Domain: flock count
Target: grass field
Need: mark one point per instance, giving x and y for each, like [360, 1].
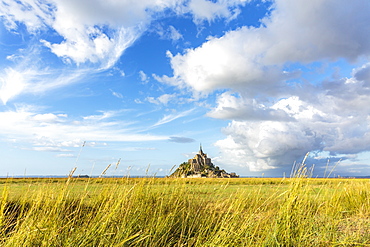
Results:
[185, 212]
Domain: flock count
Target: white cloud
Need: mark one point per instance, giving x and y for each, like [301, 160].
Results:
[170, 33]
[48, 117]
[295, 32]
[34, 14]
[163, 99]
[104, 115]
[55, 132]
[99, 31]
[138, 101]
[117, 94]
[173, 33]
[205, 10]
[12, 83]
[267, 144]
[66, 155]
[231, 61]
[90, 34]
[336, 121]
[101, 49]
[172, 117]
[236, 107]
[31, 74]
[82, 25]
[29, 79]
[143, 77]
[49, 149]
[275, 121]
[272, 123]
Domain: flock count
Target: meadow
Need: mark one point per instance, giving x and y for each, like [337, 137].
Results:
[299, 211]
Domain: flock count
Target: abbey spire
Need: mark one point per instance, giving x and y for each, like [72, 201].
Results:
[200, 149]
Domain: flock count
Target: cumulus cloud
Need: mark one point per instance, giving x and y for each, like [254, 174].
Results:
[276, 115]
[336, 122]
[256, 58]
[322, 29]
[266, 145]
[363, 74]
[235, 107]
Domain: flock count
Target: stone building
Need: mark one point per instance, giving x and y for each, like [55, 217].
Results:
[201, 167]
[200, 161]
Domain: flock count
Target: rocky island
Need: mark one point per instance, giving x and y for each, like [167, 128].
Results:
[201, 166]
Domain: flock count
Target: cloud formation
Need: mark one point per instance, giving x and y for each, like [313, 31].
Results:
[94, 31]
[171, 117]
[277, 115]
[261, 75]
[255, 58]
[57, 132]
[99, 31]
[204, 10]
[88, 36]
[163, 99]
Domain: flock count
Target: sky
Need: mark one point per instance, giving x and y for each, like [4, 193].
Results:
[141, 84]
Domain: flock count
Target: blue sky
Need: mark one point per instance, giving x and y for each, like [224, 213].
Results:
[258, 83]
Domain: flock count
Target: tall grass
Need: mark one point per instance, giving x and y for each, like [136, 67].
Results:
[299, 211]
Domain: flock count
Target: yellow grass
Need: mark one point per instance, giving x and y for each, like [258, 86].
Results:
[297, 211]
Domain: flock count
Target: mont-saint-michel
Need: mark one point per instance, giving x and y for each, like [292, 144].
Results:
[201, 166]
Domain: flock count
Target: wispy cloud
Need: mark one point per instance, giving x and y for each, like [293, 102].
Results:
[170, 33]
[143, 77]
[163, 99]
[53, 132]
[172, 117]
[66, 155]
[89, 40]
[50, 149]
[116, 94]
[33, 80]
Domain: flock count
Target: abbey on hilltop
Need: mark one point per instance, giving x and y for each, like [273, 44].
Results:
[201, 166]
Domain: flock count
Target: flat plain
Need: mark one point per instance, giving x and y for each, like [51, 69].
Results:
[299, 211]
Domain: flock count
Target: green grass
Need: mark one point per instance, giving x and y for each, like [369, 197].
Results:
[185, 212]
